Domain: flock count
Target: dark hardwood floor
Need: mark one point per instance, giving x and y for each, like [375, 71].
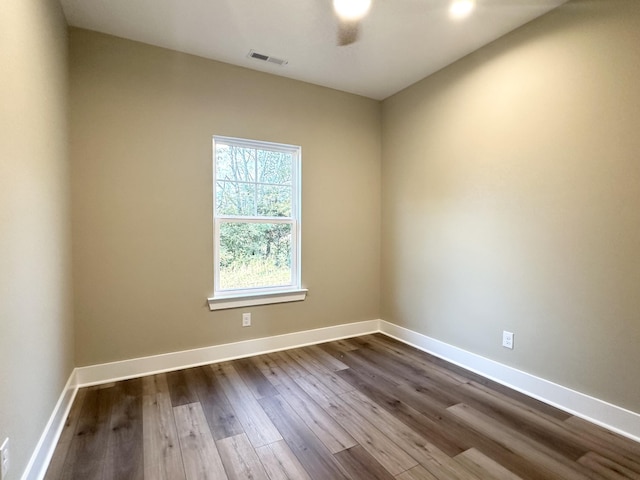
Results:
[364, 408]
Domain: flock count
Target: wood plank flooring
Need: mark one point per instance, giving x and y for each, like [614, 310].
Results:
[367, 408]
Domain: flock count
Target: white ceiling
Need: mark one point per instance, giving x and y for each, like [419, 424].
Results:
[401, 41]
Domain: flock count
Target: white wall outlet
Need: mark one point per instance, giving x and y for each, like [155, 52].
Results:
[246, 319]
[4, 459]
[507, 339]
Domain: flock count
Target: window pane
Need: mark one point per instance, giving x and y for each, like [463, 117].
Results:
[254, 255]
[235, 163]
[274, 201]
[274, 167]
[235, 198]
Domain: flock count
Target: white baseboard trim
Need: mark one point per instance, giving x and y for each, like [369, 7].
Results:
[39, 461]
[137, 367]
[607, 415]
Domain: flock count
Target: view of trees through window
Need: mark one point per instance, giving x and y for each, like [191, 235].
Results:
[254, 207]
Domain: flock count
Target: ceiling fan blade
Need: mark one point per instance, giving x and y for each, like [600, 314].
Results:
[348, 32]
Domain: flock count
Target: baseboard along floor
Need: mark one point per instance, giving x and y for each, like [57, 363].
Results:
[367, 407]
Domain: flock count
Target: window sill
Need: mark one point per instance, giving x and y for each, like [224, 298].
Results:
[237, 301]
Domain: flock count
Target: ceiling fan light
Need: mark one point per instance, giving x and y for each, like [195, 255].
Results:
[351, 9]
[461, 8]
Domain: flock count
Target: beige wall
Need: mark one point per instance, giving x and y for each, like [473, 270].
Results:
[36, 342]
[511, 192]
[142, 119]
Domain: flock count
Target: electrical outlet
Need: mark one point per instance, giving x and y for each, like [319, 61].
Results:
[507, 339]
[4, 459]
[246, 319]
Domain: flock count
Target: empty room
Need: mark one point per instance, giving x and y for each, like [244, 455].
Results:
[319, 239]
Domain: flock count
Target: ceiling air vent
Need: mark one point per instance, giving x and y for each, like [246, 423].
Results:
[267, 58]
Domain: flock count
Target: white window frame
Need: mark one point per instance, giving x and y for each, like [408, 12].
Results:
[234, 298]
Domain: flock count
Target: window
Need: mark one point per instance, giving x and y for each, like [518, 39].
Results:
[256, 188]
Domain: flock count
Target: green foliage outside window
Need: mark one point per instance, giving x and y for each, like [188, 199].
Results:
[254, 183]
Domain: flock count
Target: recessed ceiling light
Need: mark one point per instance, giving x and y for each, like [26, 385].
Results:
[351, 9]
[461, 8]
